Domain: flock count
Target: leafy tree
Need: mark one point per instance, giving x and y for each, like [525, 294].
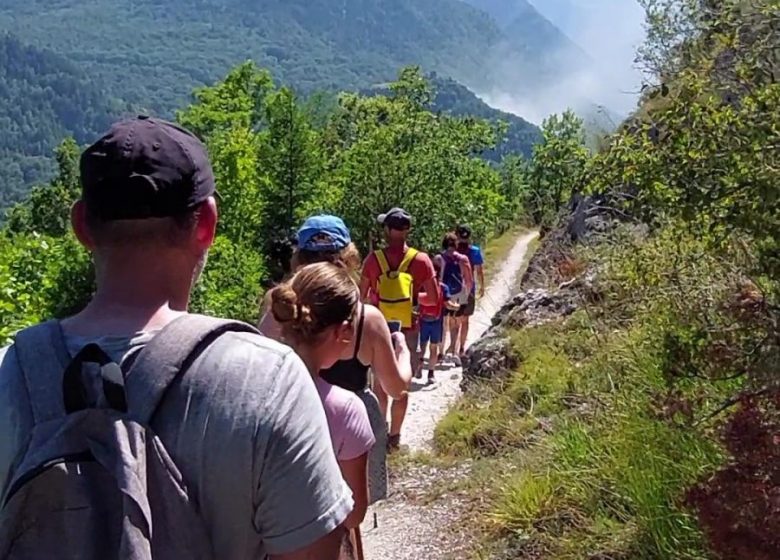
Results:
[392, 150]
[237, 101]
[228, 117]
[292, 162]
[273, 167]
[41, 277]
[231, 283]
[514, 186]
[705, 147]
[558, 167]
[47, 210]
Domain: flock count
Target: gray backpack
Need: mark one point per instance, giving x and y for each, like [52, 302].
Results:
[95, 482]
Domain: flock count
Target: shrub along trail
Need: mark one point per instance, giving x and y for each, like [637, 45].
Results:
[411, 528]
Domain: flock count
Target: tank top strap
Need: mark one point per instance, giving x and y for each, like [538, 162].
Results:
[359, 338]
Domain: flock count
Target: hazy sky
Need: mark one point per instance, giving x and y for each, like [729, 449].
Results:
[609, 30]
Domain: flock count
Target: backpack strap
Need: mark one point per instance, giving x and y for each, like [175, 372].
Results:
[43, 356]
[381, 258]
[408, 258]
[168, 356]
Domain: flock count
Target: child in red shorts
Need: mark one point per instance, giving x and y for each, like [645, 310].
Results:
[432, 325]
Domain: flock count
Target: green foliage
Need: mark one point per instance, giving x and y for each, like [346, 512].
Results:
[558, 166]
[391, 150]
[41, 277]
[293, 159]
[231, 283]
[43, 98]
[274, 167]
[705, 147]
[47, 208]
[678, 322]
[619, 403]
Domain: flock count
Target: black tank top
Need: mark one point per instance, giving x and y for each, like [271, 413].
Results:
[350, 374]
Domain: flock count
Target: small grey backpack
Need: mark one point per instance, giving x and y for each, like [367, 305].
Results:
[95, 482]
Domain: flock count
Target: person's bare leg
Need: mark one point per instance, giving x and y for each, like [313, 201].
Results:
[434, 358]
[423, 350]
[398, 408]
[433, 361]
[382, 397]
[397, 416]
[454, 335]
[464, 333]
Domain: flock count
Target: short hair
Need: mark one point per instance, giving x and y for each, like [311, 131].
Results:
[450, 241]
[347, 258]
[165, 232]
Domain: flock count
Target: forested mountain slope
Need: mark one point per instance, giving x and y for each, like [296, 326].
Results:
[150, 54]
[154, 51]
[43, 98]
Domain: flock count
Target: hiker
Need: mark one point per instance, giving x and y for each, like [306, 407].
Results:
[327, 239]
[432, 323]
[474, 254]
[319, 310]
[225, 449]
[456, 274]
[397, 274]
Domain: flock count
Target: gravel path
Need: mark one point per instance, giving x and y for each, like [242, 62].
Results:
[408, 530]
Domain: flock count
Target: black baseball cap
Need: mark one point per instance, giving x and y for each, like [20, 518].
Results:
[395, 218]
[463, 232]
[145, 168]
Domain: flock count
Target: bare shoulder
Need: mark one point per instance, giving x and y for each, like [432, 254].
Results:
[375, 323]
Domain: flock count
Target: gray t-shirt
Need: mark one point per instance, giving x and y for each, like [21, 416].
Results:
[247, 429]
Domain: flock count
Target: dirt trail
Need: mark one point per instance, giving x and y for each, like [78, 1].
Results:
[407, 530]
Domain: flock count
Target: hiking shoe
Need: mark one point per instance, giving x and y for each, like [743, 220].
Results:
[431, 378]
[456, 361]
[393, 443]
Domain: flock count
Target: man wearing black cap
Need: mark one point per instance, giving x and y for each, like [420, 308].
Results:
[398, 256]
[243, 423]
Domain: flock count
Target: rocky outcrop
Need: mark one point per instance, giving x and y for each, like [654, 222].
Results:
[553, 287]
[492, 357]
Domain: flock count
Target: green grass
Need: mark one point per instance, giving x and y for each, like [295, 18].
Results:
[585, 461]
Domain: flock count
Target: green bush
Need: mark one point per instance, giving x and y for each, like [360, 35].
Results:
[41, 278]
[231, 285]
[617, 404]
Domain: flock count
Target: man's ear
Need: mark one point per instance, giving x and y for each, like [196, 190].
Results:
[78, 220]
[206, 228]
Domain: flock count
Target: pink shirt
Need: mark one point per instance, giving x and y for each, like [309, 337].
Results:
[350, 428]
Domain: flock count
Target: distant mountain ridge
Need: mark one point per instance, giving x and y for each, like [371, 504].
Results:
[150, 54]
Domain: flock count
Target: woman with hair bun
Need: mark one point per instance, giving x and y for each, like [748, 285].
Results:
[316, 310]
[327, 239]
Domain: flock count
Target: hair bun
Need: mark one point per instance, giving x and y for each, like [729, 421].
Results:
[304, 317]
[284, 304]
